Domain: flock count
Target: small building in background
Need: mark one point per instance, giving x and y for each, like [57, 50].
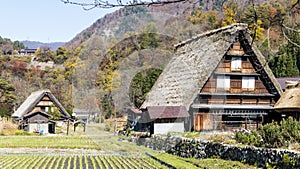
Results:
[27, 52]
[87, 116]
[36, 113]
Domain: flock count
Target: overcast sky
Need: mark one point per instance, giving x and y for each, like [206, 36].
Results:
[45, 20]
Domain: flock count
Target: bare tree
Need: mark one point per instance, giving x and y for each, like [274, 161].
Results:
[120, 3]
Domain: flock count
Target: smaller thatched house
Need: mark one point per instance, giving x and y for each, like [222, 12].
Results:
[289, 102]
[40, 112]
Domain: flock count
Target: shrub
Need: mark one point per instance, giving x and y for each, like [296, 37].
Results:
[19, 132]
[290, 129]
[218, 138]
[107, 127]
[272, 135]
[230, 141]
[249, 137]
[192, 134]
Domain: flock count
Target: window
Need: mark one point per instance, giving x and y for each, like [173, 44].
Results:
[223, 82]
[46, 109]
[248, 83]
[236, 64]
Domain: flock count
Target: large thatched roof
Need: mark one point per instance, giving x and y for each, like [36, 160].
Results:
[32, 100]
[290, 99]
[194, 62]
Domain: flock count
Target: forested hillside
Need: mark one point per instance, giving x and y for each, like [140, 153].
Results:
[113, 64]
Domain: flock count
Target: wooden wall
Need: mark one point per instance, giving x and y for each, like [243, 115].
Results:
[205, 121]
[236, 94]
[235, 86]
[235, 100]
[225, 66]
[45, 101]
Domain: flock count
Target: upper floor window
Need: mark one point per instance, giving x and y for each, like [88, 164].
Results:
[248, 83]
[223, 82]
[236, 64]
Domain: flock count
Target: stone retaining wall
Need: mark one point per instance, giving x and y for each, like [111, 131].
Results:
[187, 148]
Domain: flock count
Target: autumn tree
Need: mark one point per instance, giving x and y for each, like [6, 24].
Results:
[61, 55]
[149, 36]
[229, 15]
[207, 19]
[44, 54]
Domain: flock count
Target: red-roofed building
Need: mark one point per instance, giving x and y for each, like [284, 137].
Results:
[164, 119]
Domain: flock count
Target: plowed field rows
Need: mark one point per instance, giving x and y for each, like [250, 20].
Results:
[76, 162]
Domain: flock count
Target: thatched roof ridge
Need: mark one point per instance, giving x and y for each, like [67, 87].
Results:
[194, 62]
[34, 99]
[265, 66]
[211, 32]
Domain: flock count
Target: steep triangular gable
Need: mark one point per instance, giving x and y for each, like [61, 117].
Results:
[240, 63]
[194, 62]
[35, 98]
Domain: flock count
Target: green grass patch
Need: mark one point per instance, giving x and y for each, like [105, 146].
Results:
[175, 161]
[65, 142]
[218, 163]
[192, 163]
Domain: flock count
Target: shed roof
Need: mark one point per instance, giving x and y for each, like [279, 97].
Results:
[283, 81]
[33, 100]
[167, 112]
[134, 110]
[194, 62]
[35, 113]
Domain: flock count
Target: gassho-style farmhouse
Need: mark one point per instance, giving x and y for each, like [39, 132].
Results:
[218, 80]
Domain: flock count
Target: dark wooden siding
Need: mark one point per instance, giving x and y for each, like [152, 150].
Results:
[38, 118]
